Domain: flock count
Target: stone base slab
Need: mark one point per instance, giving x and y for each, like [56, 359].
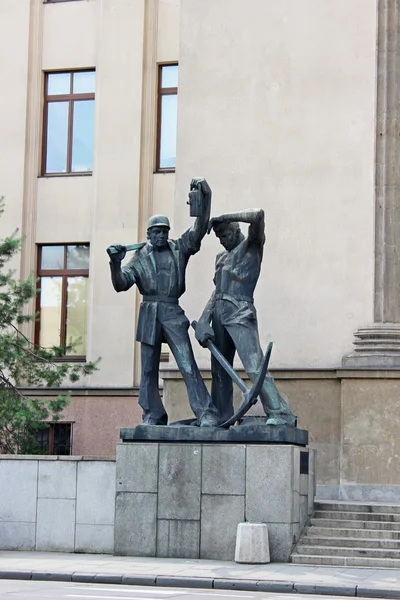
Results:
[251, 433]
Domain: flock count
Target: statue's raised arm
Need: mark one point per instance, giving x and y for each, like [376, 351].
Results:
[200, 207]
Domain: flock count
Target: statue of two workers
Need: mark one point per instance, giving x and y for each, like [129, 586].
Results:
[229, 319]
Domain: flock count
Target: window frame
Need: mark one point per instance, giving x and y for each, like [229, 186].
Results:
[64, 273]
[70, 98]
[172, 91]
[51, 426]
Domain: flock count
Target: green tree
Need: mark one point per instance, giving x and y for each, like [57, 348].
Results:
[23, 363]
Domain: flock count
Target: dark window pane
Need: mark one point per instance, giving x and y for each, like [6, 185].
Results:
[50, 311]
[169, 76]
[78, 257]
[82, 136]
[42, 437]
[57, 137]
[62, 438]
[76, 313]
[169, 105]
[52, 257]
[58, 83]
[84, 82]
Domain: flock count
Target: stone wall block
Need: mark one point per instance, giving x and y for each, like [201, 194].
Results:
[95, 539]
[220, 516]
[303, 484]
[95, 493]
[179, 482]
[18, 485]
[57, 479]
[280, 541]
[135, 524]
[223, 470]
[303, 511]
[295, 507]
[178, 539]
[55, 528]
[137, 468]
[269, 479]
[296, 468]
[17, 536]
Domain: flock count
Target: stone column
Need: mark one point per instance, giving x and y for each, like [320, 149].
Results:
[378, 345]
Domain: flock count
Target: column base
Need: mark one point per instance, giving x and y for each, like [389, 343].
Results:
[376, 347]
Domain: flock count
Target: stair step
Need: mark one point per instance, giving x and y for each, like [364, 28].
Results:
[345, 561]
[354, 524]
[352, 532]
[350, 542]
[302, 548]
[357, 516]
[343, 506]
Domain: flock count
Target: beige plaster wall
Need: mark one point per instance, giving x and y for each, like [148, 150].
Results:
[163, 195]
[14, 36]
[168, 30]
[97, 421]
[276, 109]
[64, 209]
[116, 177]
[69, 34]
[371, 441]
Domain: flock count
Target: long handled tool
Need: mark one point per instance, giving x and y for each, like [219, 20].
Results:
[111, 250]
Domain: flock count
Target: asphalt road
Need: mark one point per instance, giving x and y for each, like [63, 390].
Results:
[43, 590]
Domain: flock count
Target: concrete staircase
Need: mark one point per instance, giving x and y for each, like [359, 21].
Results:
[353, 534]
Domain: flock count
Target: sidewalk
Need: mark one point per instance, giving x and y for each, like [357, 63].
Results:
[274, 577]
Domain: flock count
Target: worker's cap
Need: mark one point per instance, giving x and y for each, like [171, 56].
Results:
[158, 221]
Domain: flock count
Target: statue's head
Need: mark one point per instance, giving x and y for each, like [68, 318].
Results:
[229, 234]
[157, 231]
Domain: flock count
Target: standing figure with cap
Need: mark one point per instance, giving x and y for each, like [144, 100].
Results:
[158, 269]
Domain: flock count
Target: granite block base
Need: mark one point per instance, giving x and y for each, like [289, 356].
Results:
[199, 492]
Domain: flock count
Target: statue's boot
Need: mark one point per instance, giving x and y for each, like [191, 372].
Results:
[209, 419]
[287, 419]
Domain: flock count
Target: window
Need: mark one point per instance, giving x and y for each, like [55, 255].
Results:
[167, 117]
[55, 438]
[68, 123]
[63, 272]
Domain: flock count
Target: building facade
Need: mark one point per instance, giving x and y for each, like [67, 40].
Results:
[289, 106]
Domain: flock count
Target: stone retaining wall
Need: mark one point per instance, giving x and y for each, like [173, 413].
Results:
[63, 504]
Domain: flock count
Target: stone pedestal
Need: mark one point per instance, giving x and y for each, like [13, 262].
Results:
[185, 500]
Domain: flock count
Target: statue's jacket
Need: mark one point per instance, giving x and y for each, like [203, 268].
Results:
[142, 270]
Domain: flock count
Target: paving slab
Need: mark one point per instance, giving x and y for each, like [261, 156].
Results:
[196, 573]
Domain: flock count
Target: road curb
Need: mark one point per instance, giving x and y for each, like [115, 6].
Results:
[255, 585]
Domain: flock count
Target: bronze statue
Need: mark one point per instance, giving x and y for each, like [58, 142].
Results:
[233, 316]
[158, 269]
